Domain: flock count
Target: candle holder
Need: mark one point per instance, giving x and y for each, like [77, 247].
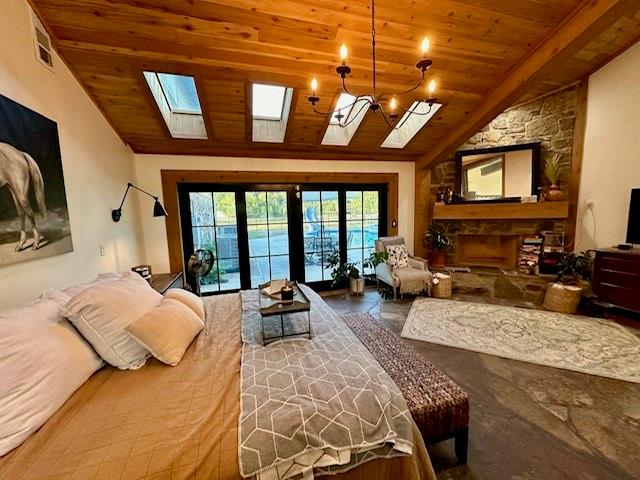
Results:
[286, 293]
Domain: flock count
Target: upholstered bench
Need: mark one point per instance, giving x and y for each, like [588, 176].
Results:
[438, 405]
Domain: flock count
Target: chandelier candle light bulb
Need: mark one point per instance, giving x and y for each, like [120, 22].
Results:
[432, 88]
[314, 86]
[424, 46]
[343, 53]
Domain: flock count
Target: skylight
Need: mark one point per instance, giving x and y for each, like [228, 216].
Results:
[268, 101]
[270, 106]
[341, 130]
[181, 93]
[410, 124]
[177, 99]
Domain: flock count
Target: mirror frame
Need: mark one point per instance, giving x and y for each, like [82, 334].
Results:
[535, 168]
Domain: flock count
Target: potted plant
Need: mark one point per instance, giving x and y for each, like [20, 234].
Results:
[341, 272]
[573, 281]
[438, 243]
[554, 171]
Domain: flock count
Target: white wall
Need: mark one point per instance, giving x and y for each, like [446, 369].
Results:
[97, 166]
[148, 169]
[611, 162]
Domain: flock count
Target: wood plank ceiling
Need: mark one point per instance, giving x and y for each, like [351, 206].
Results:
[226, 44]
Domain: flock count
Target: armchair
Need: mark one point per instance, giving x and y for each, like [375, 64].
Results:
[385, 274]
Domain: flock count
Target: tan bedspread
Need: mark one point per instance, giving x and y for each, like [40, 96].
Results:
[164, 422]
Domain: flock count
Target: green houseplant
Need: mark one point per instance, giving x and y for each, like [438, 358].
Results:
[554, 171]
[343, 272]
[438, 243]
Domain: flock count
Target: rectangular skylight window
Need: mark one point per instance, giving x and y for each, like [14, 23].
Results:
[177, 99]
[410, 124]
[270, 106]
[341, 130]
[181, 93]
[268, 101]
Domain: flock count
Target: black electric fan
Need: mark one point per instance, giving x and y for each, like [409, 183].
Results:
[199, 266]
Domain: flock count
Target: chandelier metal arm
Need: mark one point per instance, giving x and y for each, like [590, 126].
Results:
[405, 92]
[353, 117]
[373, 100]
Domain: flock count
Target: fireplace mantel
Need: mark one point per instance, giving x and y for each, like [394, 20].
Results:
[501, 211]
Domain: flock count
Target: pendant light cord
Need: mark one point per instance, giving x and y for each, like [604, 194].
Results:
[373, 45]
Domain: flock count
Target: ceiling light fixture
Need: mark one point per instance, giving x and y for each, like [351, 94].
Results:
[374, 100]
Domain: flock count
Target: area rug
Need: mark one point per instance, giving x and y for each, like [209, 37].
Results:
[583, 344]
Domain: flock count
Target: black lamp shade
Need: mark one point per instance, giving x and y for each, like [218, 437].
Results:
[158, 210]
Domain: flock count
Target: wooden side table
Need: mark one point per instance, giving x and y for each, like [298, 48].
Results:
[161, 282]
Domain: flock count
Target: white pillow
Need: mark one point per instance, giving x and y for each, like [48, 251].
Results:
[102, 311]
[167, 330]
[397, 256]
[43, 360]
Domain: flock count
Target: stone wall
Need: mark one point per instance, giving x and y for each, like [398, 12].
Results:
[549, 120]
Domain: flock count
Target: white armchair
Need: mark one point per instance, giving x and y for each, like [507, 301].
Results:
[385, 274]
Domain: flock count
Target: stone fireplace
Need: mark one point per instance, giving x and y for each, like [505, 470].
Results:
[481, 250]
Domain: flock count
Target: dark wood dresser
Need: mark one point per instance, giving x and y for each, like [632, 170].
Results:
[616, 279]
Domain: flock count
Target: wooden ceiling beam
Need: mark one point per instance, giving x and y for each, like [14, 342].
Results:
[588, 21]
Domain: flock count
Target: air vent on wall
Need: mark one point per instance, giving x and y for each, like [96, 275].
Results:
[41, 42]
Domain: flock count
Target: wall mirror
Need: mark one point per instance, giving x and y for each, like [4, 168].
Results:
[499, 174]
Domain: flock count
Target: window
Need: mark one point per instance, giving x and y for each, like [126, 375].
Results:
[270, 106]
[268, 101]
[180, 92]
[177, 99]
[345, 119]
[363, 224]
[410, 124]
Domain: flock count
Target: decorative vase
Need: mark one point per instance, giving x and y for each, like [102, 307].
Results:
[554, 193]
[437, 259]
[356, 285]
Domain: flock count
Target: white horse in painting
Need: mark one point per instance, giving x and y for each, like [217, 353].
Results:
[18, 171]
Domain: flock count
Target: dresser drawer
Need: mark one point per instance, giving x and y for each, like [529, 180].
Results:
[618, 296]
[619, 278]
[624, 263]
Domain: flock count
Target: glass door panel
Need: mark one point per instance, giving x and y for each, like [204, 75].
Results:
[268, 232]
[363, 215]
[320, 211]
[214, 227]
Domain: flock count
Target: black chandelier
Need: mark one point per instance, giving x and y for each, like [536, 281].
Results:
[374, 101]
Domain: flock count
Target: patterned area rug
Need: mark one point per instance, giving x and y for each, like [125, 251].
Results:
[583, 344]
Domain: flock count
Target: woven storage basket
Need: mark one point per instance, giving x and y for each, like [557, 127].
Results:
[442, 289]
[561, 298]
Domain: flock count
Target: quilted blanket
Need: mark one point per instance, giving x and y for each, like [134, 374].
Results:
[314, 406]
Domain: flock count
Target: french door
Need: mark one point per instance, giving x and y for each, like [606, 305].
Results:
[263, 232]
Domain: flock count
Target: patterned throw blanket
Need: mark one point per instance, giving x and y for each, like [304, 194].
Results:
[314, 407]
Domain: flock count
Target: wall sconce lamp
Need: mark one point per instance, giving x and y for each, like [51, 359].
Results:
[158, 209]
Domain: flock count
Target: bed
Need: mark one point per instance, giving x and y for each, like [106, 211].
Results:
[162, 422]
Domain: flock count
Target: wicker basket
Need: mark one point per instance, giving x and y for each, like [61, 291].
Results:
[562, 298]
[442, 289]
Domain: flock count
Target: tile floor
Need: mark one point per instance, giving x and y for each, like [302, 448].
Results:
[527, 421]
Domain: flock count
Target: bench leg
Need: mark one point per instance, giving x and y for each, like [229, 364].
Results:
[461, 440]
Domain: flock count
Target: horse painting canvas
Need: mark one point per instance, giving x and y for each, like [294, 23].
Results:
[34, 220]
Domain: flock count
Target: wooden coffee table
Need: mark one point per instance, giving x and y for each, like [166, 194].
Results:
[273, 307]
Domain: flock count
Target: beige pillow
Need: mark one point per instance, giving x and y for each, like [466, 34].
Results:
[167, 330]
[192, 301]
